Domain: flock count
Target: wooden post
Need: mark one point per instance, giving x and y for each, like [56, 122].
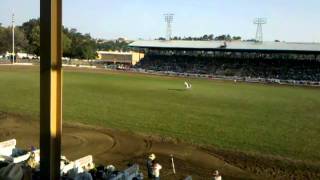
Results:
[50, 88]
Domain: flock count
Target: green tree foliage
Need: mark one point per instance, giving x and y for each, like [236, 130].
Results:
[31, 30]
[2, 42]
[223, 38]
[118, 45]
[206, 37]
[82, 46]
[75, 44]
[21, 42]
[162, 38]
[66, 42]
[236, 38]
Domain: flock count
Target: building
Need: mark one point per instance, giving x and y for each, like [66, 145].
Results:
[267, 60]
[230, 46]
[231, 49]
[115, 57]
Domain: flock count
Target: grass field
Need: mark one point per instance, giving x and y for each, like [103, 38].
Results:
[276, 120]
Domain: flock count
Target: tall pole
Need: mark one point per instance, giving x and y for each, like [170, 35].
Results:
[13, 53]
[50, 88]
[169, 19]
[259, 33]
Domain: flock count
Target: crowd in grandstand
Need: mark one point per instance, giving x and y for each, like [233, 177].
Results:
[268, 68]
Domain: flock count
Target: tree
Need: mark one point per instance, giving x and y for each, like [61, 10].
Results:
[66, 41]
[34, 40]
[205, 37]
[31, 30]
[88, 50]
[162, 39]
[81, 46]
[236, 38]
[3, 48]
[21, 42]
[74, 43]
[223, 38]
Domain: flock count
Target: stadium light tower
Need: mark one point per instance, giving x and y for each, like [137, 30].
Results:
[13, 53]
[259, 22]
[169, 19]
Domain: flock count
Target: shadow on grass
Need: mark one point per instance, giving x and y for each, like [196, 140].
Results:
[177, 89]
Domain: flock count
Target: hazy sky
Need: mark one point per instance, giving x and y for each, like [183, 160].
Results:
[288, 20]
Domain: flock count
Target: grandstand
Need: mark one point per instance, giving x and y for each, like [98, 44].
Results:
[266, 60]
[231, 46]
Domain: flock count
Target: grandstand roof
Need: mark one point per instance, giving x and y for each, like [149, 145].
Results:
[230, 46]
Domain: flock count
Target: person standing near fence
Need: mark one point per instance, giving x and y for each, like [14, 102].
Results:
[156, 170]
[151, 158]
[216, 175]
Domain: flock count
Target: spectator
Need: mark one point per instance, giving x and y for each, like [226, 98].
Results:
[11, 172]
[83, 176]
[156, 167]
[31, 162]
[88, 167]
[300, 68]
[151, 158]
[216, 175]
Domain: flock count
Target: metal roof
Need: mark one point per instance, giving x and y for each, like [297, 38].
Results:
[114, 52]
[230, 46]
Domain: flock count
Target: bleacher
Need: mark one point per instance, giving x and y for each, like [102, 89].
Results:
[264, 67]
[70, 170]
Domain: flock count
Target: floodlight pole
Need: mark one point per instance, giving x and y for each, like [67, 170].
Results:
[259, 33]
[169, 19]
[13, 53]
[50, 88]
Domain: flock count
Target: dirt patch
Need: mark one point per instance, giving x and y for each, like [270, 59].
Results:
[270, 166]
[122, 148]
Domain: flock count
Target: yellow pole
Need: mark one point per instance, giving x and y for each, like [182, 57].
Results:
[50, 88]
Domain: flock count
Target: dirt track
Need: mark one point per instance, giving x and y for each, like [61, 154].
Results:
[120, 148]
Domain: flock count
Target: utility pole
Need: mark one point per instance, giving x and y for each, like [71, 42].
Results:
[13, 53]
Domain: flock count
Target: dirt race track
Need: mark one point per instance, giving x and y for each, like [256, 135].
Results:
[121, 148]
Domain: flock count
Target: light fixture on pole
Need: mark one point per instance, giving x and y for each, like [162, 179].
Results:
[259, 34]
[13, 51]
[169, 19]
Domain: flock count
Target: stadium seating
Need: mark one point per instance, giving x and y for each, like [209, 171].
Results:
[283, 68]
[70, 170]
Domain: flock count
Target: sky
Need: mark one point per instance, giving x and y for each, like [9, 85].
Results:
[287, 20]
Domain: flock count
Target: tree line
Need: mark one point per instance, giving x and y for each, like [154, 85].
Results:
[75, 44]
[206, 37]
